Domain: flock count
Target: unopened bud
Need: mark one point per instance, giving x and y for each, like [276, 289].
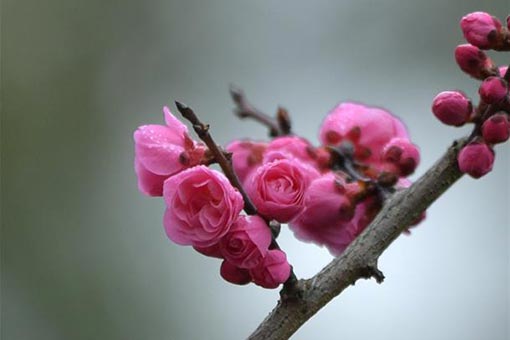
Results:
[480, 29]
[496, 129]
[474, 61]
[476, 159]
[452, 108]
[493, 90]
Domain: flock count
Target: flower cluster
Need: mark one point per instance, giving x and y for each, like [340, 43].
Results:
[292, 181]
[202, 207]
[491, 117]
[326, 194]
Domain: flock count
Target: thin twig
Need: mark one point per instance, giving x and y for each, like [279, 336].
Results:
[223, 158]
[277, 127]
[225, 162]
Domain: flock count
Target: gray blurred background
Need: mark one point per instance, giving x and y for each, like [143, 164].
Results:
[84, 255]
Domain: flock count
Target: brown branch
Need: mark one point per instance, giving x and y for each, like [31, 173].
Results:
[223, 158]
[225, 162]
[360, 259]
[278, 126]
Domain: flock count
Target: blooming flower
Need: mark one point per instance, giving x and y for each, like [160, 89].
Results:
[367, 128]
[162, 151]
[277, 188]
[201, 206]
[329, 218]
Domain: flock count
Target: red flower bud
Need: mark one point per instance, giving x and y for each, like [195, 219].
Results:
[493, 90]
[496, 129]
[473, 61]
[476, 159]
[452, 108]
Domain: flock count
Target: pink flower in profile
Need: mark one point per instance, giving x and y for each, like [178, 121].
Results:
[201, 206]
[322, 223]
[247, 242]
[496, 129]
[246, 156]
[479, 27]
[234, 274]
[162, 151]
[367, 128]
[476, 159]
[277, 188]
[291, 147]
[273, 271]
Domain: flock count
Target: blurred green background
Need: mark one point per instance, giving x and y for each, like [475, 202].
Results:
[84, 255]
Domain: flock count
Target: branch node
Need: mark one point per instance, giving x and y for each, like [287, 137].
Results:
[292, 288]
[372, 271]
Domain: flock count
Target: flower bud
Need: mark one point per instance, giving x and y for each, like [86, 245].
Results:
[480, 28]
[493, 90]
[273, 271]
[476, 159]
[452, 108]
[247, 242]
[404, 154]
[496, 129]
[233, 274]
[473, 61]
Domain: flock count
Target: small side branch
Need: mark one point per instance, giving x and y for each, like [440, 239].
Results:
[279, 126]
[223, 158]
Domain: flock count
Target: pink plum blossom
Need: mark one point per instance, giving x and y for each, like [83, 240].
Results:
[291, 147]
[246, 156]
[247, 242]
[367, 128]
[162, 151]
[201, 206]
[277, 188]
[402, 153]
[324, 220]
[273, 271]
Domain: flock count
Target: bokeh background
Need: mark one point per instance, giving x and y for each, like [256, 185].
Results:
[84, 255]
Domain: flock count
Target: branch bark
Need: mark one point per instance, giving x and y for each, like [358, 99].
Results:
[360, 259]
